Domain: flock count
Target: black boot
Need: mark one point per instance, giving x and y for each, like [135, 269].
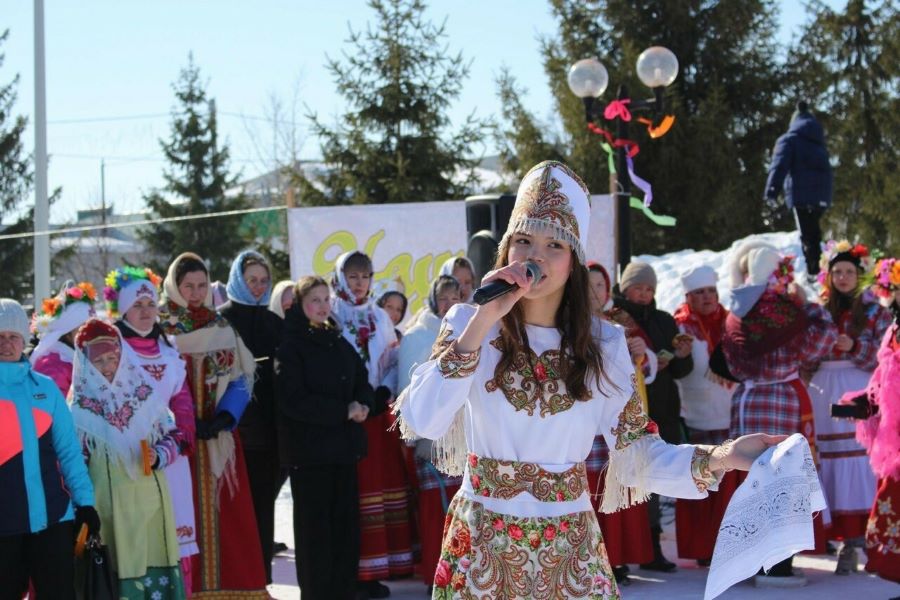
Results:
[659, 561]
[621, 575]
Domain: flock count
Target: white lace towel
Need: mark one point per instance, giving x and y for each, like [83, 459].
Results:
[770, 516]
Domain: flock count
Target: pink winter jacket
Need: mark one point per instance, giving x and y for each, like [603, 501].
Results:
[54, 367]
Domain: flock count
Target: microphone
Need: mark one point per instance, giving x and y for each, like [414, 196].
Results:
[495, 289]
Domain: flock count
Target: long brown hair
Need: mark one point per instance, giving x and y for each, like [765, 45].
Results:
[858, 317]
[581, 359]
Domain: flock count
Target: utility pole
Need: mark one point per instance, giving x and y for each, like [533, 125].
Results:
[41, 198]
[104, 254]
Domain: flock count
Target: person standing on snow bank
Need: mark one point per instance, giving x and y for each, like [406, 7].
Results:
[801, 168]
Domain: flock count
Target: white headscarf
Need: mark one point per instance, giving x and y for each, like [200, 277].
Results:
[277, 293]
[118, 415]
[360, 320]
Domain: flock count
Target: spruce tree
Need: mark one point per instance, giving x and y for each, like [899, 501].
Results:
[709, 170]
[197, 180]
[396, 143]
[845, 66]
[16, 180]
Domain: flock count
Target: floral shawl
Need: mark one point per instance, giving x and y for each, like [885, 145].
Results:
[117, 416]
[206, 336]
[363, 323]
[774, 320]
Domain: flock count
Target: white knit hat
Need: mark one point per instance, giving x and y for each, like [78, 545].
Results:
[552, 200]
[699, 277]
[753, 262]
[13, 317]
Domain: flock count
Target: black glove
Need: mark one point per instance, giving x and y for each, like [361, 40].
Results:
[382, 395]
[87, 515]
[209, 429]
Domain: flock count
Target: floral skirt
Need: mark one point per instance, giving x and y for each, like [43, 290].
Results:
[487, 555]
[883, 532]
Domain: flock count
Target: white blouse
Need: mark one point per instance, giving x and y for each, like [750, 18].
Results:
[529, 417]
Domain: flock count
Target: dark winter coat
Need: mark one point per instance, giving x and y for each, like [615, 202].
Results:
[260, 330]
[663, 399]
[800, 165]
[317, 375]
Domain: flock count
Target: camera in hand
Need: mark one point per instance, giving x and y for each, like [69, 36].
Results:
[860, 409]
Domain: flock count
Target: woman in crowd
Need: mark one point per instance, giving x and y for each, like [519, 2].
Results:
[880, 434]
[40, 503]
[847, 479]
[462, 270]
[434, 488]
[635, 309]
[394, 303]
[128, 436]
[626, 532]
[220, 375]
[247, 310]
[323, 398]
[706, 408]
[770, 331]
[132, 297]
[282, 297]
[55, 326]
[522, 386]
[386, 544]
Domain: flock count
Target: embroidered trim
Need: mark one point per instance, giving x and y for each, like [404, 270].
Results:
[634, 423]
[703, 477]
[533, 380]
[454, 364]
[506, 479]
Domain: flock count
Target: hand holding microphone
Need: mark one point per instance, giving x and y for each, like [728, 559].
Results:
[496, 283]
[499, 292]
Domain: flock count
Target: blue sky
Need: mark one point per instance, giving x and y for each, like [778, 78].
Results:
[118, 59]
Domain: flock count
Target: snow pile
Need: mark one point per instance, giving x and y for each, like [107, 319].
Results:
[669, 267]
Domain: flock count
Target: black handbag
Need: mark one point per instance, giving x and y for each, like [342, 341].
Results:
[98, 580]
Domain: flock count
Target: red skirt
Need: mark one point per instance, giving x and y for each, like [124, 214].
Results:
[384, 511]
[230, 562]
[431, 527]
[883, 532]
[697, 521]
[626, 533]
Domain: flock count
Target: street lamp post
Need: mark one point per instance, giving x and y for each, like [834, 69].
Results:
[657, 68]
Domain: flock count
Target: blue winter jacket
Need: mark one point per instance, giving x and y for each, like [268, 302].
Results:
[42, 469]
[800, 165]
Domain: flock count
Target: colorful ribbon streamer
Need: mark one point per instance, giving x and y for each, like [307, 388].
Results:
[661, 220]
[641, 184]
[618, 108]
[657, 131]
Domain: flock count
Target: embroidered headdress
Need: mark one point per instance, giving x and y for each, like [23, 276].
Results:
[58, 316]
[125, 285]
[552, 200]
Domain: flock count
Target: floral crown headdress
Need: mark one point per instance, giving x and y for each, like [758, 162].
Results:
[52, 308]
[122, 277]
[836, 251]
[884, 279]
[783, 275]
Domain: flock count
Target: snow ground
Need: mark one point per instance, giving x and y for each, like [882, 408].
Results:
[687, 583]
